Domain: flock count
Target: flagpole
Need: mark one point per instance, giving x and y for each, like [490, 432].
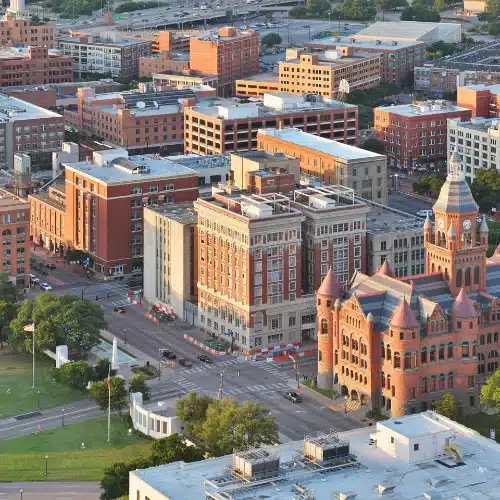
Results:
[109, 402]
[33, 386]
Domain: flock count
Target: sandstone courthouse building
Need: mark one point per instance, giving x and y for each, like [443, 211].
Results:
[397, 345]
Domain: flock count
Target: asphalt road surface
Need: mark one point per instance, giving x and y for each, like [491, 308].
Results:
[262, 382]
[407, 203]
[50, 490]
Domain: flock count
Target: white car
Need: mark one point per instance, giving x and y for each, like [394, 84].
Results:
[45, 287]
[425, 213]
[34, 279]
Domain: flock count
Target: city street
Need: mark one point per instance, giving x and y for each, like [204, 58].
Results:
[50, 490]
[408, 203]
[260, 381]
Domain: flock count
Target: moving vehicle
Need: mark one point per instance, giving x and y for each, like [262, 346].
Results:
[205, 359]
[185, 362]
[120, 310]
[34, 279]
[259, 357]
[50, 266]
[293, 397]
[45, 287]
[425, 213]
[169, 355]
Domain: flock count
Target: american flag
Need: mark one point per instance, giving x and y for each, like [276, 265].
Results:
[30, 328]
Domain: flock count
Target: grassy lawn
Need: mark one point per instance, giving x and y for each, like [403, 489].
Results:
[482, 423]
[16, 376]
[23, 458]
[324, 392]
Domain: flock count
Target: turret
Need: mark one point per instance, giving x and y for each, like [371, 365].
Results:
[385, 269]
[483, 232]
[327, 295]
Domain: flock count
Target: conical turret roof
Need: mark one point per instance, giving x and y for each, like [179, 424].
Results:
[330, 287]
[404, 317]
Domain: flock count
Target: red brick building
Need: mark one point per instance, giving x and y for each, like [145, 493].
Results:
[416, 132]
[34, 66]
[482, 100]
[230, 55]
[15, 242]
[102, 206]
[397, 345]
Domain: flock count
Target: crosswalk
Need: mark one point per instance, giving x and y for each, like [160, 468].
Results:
[260, 388]
[188, 385]
[207, 367]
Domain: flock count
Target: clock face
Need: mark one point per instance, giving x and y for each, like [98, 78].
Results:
[441, 223]
[467, 224]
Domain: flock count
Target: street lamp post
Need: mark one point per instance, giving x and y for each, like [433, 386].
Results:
[38, 399]
[62, 417]
[46, 464]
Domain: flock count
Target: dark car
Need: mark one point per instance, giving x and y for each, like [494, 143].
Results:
[50, 266]
[205, 359]
[120, 310]
[44, 273]
[185, 362]
[293, 397]
[169, 355]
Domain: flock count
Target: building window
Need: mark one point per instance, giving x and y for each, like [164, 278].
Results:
[415, 447]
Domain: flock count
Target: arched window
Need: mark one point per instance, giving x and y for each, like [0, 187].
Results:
[388, 381]
[451, 379]
[365, 380]
[424, 385]
[432, 267]
[6, 232]
[324, 327]
[450, 350]
[423, 356]
[432, 354]
[407, 364]
[493, 354]
[481, 339]
[441, 382]
[458, 278]
[481, 361]
[465, 350]
[476, 275]
[467, 277]
[382, 379]
[388, 352]
[382, 350]
[489, 338]
[495, 337]
[397, 360]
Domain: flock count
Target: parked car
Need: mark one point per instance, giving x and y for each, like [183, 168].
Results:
[120, 310]
[425, 213]
[50, 266]
[205, 359]
[45, 287]
[259, 357]
[185, 362]
[34, 279]
[293, 397]
[44, 273]
[169, 355]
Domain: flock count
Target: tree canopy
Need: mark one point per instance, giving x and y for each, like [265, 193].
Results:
[163, 451]
[374, 145]
[429, 185]
[485, 188]
[119, 398]
[223, 425]
[423, 10]
[391, 4]
[362, 10]
[447, 406]
[490, 392]
[271, 39]
[59, 319]
[137, 383]
[8, 290]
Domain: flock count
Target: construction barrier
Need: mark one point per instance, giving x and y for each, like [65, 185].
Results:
[203, 346]
[311, 352]
[266, 350]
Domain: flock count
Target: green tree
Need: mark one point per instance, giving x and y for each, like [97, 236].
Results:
[429, 185]
[490, 392]
[76, 375]
[492, 8]
[8, 312]
[447, 406]
[363, 10]
[192, 409]
[391, 4]
[83, 321]
[438, 5]
[137, 383]
[99, 393]
[8, 290]
[298, 13]
[228, 426]
[318, 8]
[486, 188]
[172, 449]
[163, 451]
[374, 145]
[102, 369]
[271, 39]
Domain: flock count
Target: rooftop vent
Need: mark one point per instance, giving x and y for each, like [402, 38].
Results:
[385, 489]
[345, 495]
[255, 464]
[325, 448]
[437, 481]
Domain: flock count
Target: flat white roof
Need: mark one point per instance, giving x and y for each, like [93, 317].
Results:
[416, 110]
[334, 148]
[412, 426]
[12, 109]
[409, 30]
[478, 478]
